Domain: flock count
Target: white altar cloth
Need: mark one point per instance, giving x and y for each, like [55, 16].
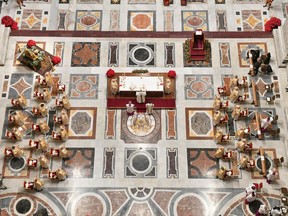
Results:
[135, 83]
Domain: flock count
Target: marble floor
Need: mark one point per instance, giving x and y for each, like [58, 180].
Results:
[114, 169]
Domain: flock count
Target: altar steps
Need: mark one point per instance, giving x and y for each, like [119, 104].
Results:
[159, 103]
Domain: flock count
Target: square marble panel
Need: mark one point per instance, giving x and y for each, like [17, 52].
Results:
[199, 123]
[141, 21]
[21, 84]
[192, 20]
[82, 123]
[85, 54]
[83, 86]
[199, 87]
[140, 163]
[141, 54]
[80, 163]
[88, 20]
[31, 19]
[196, 167]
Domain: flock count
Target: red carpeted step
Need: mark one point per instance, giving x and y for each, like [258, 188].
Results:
[197, 52]
[158, 103]
[198, 58]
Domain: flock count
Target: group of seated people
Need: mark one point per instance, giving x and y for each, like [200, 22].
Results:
[259, 63]
[38, 184]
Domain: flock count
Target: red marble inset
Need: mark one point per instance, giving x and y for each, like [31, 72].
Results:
[89, 205]
[191, 205]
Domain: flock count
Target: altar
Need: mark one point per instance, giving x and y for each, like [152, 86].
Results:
[153, 85]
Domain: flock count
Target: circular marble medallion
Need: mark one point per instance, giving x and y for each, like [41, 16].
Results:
[17, 164]
[268, 163]
[83, 86]
[23, 206]
[140, 162]
[195, 21]
[88, 20]
[141, 125]
[141, 54]
[199, 86]
[254, 206]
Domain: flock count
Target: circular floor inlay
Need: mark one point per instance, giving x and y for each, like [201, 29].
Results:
[254, 206]
[267, 162]
[23, 206]
[140, 162]
[141, 124]
[141, 54]
[88, 20]
[194, 21]
[17, 163]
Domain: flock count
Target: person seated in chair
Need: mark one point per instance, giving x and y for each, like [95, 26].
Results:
[265, 69]
[21, 101]
[41, 110]
[220, 137]
[234, 82]
[17, 118]
[237, 112]
[241, 133]
[17, 132]
[61, 174]
[217, 102]
[64, 153]
[38, 184]
[31, 162]
[41, 127]
[245, 163]
[8, 152]
[243, 146]
[44, 162]
[17, 152]
[223, 173]
[64, 102]
[63, 118]
[47, 81]
[28, 185]
[234, 95]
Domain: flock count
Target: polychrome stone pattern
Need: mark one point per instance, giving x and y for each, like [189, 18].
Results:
[113, 167]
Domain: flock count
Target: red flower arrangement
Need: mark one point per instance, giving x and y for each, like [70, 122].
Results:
[31, 43]
[56, 60]
[110, 73]
[14, 26]
[7, 21]
[172, 74]
[272, 24]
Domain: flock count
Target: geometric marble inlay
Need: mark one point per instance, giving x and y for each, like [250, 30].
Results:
[199, 123]
[31, 19]
[88, 20]
[192, 20]
[117, 198]
[198, 87]
[80, 163]
[85, 54]
[89, 204]
[141, 20]
[141, 54]
[82, 122]
[202, 163]
[83, 86]
[191, 204]
[140, 163]
[21, 84]
[141, 128]
[252, 20]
